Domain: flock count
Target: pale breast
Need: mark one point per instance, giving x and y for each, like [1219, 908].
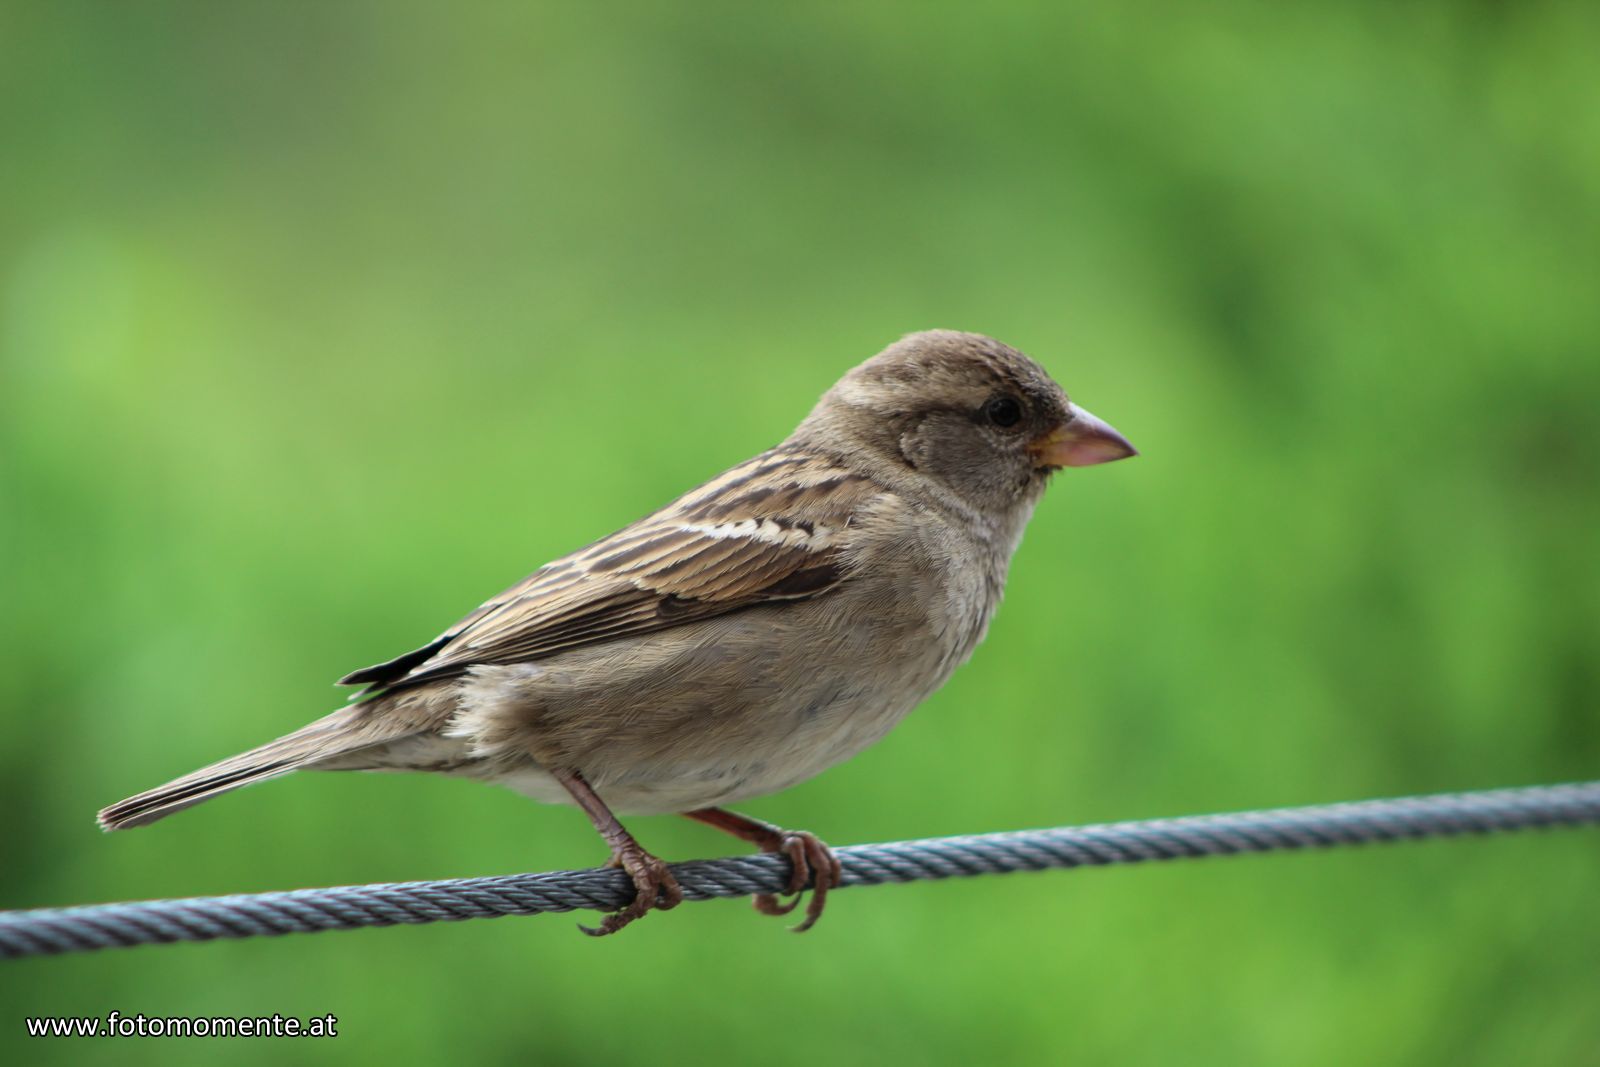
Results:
[742, 705]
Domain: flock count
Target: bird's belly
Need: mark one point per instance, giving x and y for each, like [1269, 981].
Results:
[802, 739]
[745, 705]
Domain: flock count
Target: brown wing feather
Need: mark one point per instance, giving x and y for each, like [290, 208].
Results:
[774, 528]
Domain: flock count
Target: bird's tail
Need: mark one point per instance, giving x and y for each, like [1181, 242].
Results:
[339, 734]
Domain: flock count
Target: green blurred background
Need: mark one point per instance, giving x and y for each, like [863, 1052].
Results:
[319, 323]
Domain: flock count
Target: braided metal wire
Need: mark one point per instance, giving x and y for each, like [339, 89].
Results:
[49, 931]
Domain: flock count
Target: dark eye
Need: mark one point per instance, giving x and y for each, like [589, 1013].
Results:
[1003, 411]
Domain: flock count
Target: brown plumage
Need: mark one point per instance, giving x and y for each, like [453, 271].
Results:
[753, 632]
[764, 531]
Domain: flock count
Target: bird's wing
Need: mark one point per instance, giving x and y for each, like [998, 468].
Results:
[775, 528]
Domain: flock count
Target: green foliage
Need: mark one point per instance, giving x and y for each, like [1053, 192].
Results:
[321, 322]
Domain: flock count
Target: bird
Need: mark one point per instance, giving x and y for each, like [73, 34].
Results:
[759, 629]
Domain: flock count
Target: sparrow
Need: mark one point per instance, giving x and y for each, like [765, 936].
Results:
[759, 629]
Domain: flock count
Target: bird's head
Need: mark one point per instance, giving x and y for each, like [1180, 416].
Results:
[976, 415]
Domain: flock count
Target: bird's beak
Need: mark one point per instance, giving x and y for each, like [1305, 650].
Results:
[1082, 441]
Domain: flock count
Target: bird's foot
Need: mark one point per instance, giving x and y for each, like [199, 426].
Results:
[654, 889]
[810, 862]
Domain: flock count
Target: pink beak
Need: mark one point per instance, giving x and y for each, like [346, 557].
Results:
[1082, 441]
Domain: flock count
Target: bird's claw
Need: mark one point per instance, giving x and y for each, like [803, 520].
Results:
[654, 890]
[811, 862]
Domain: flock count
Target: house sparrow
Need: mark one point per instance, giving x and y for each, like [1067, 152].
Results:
[754, 632]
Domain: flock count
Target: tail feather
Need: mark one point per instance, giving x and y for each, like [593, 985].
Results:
[336, 735]
[158, 803]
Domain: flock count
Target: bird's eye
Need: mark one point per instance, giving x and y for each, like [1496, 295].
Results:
[1003, 411]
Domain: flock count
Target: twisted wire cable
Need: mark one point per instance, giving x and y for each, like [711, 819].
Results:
[49, 931]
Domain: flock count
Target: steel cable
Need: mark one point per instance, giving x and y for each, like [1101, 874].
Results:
[48, 931]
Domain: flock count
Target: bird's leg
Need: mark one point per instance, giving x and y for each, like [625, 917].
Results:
[653, 883]
[810, 861]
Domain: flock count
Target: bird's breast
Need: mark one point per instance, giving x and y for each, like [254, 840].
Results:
[720, 710]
